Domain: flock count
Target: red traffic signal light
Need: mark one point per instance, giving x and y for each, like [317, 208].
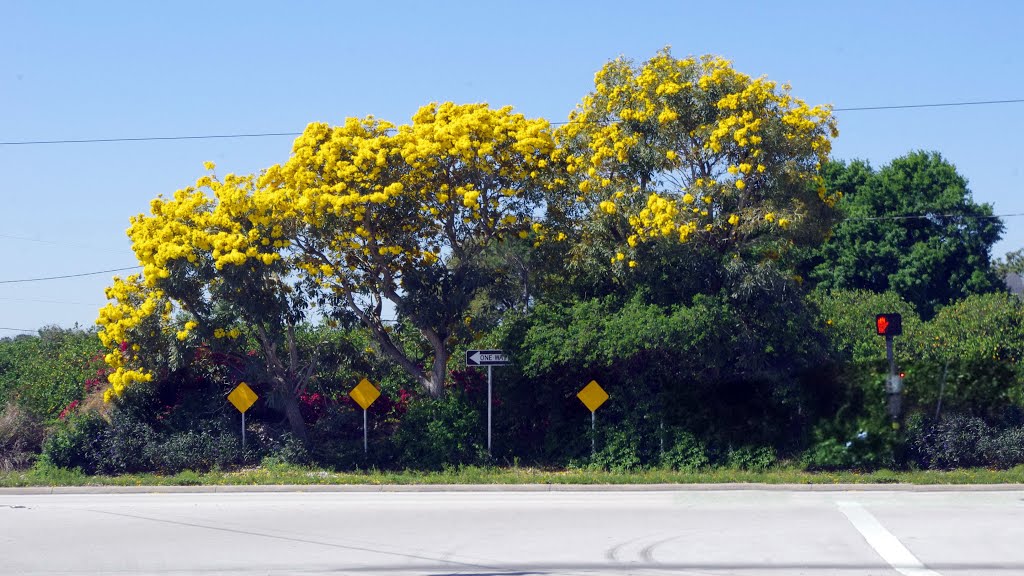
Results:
[889, 324]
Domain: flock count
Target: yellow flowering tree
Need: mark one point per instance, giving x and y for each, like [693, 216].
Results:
[213, 256]
[403, 214]
[691, 149]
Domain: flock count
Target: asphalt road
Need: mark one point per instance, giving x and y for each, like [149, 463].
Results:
[770, 532]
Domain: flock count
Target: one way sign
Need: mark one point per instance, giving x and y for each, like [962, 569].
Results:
[486, 358]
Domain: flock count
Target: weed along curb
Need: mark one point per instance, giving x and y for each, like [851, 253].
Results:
[339, 488]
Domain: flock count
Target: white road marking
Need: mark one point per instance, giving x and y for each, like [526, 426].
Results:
[885, 544]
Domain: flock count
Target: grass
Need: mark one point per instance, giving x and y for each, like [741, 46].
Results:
[276, 474]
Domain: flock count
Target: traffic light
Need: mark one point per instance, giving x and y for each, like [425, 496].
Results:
[889, 324]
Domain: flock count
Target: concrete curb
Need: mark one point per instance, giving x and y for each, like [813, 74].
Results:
[343, 488]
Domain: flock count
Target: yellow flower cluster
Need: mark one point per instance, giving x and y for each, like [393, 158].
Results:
[131, 305]
[222, 333]
[675, 133]
[223, 225]
[394, 197]
[657, 219]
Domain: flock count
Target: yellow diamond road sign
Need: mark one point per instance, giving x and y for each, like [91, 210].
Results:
[242, 397]
[364, 393]
[592, 395]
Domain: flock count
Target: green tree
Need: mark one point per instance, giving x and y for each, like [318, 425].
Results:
[1010, 263]
[971, 354]
[911, 227]
[847, 317]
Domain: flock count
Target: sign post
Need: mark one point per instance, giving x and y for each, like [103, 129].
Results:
[487, 358]
[242, 397]
[365, 394]
[489, 402]
[592, 396]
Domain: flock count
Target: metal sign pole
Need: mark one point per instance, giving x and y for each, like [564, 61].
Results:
[366, 435]
[593, 433]
[488, 409]
[243, 434]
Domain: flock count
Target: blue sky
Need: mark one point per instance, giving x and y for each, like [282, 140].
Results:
[80, 70]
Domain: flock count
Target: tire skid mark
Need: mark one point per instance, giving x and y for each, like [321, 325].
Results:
[612, 554]
[647, 553]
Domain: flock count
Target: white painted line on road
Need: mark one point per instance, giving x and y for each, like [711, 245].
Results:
[885, 544]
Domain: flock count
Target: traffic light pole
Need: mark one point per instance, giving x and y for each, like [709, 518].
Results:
[894, 394]
[889, 355]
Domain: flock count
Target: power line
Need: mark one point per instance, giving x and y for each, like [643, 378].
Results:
[149, 138]
[280, 134]
[55, 243]
[928, 216]
[940, 105]
[17, 330]
[910, 106]
[38, 301]
[69, 275]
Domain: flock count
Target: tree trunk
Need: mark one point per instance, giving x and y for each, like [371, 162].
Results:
[434, 387]
[294, 416]
[434, 381]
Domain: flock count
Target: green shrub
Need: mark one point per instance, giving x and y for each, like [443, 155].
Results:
[21, 438]
[75, 443]
[828, 454]
[42, 472]
[198, 451]
[336, 440]
[867, 443]
[753, 459]
[957, 441]
[619, 451]
[290, 450]
[1004, 449]
[961, 441]
[434, 433]
[686, 453]
[126, 446]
